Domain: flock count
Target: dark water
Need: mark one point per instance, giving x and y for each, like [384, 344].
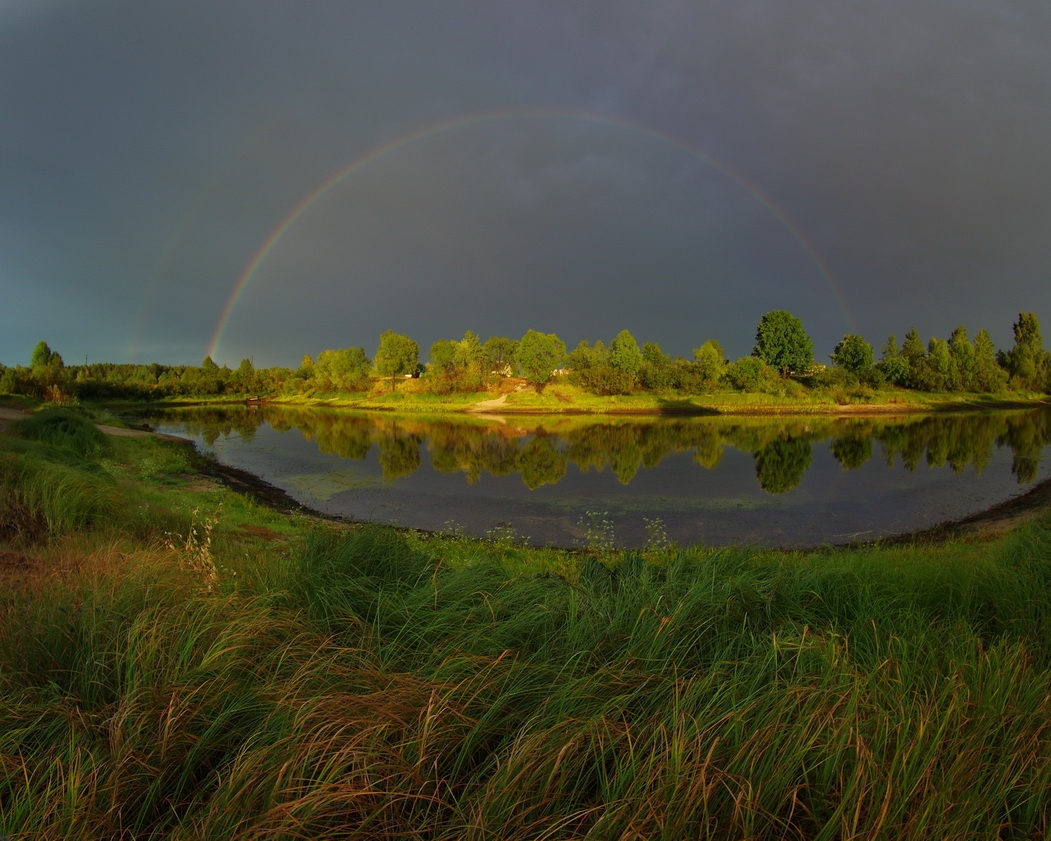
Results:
[798, 481]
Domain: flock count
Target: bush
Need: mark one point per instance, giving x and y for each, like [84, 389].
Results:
[64, 430]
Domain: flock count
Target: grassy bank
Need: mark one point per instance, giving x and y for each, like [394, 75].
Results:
[178, 662]
[413, 396]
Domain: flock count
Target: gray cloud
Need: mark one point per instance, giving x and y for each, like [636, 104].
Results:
[148, 151]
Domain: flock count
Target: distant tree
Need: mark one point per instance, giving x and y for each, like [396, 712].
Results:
[442, 357]
[782, 343]
[471, 363]
[396, 356]
[244, 376]
[934, 371]
[47, 375]
[710, 364]
[989, 377]
[657, 372]
[626, 358]
[961, 354]
[343, 369]
[44, 357]
[586, 356]
[539, 354]
[747, 373]
[457, 366]
[500, 353]
[893, 367]
[914, 353]
[853, 354]
[1026, 362]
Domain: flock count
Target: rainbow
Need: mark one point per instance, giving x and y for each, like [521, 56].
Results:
[452, 124]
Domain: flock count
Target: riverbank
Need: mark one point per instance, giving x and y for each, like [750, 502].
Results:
[565, 399]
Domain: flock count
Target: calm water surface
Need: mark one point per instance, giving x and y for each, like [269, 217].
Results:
[709, 480]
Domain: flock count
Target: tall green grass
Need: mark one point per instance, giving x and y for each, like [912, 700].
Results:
[354, 683]
[362, 686]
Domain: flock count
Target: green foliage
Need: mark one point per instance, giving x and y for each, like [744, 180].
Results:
[989, 377]
[538, 355]
[853, 353]
[50, 482]
[343, 369]
[64, 430]
[48, 378]
[626, 359]
[458, 366]
[1027, 363]
[44, 357]
[657, 372]
[396, 355]
[782, 343]
[934, 372]
[500, 351]
[711, 364]
[961, 353]
[749, 373]
[914, 353]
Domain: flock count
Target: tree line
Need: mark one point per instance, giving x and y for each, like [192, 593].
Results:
[782, 362]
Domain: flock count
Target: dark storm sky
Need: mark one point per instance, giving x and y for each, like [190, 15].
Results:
[673, 168]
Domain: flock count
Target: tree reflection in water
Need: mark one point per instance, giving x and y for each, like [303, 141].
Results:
[780, 465]
[541, 449]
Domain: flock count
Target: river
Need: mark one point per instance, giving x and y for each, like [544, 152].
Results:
[633, 481]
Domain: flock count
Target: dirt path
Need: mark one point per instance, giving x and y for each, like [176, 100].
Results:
[488, 405]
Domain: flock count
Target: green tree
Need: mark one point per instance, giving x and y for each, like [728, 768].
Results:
[893, 366]
[47, 373]
[710, 363]
[586, 356]
[914, 353]
[746, 373]
[657, 373]
[1026, 362]
[343, 369]
[934, 371]
[782, 343]
[961, 352]
[625, 358]
[396, 356]
[244, 377]
[539, 354]
[989, 377]
[44, 357]
[853, 354]
[500, 354]
[443, 357]
[471, 362]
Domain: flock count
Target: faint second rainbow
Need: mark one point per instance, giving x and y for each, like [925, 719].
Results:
[453, 123]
